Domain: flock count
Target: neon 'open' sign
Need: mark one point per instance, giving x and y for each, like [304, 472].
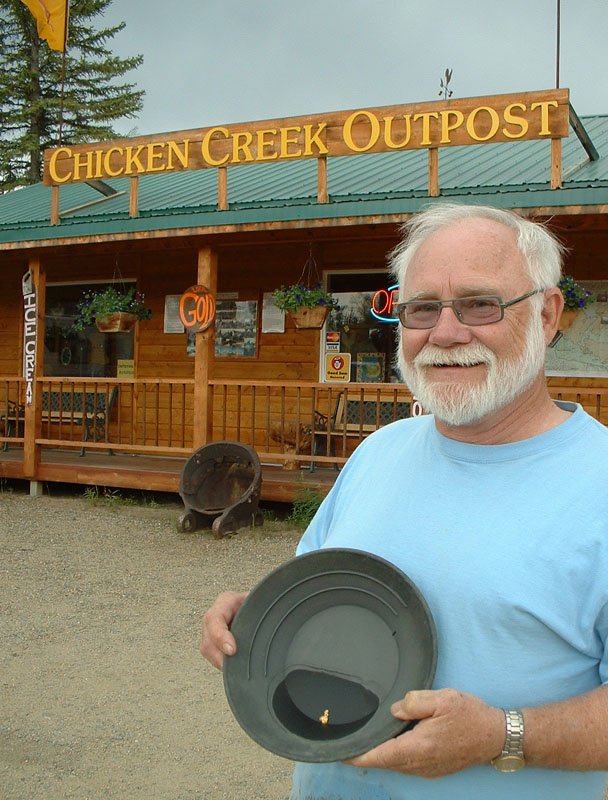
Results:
[383, 303]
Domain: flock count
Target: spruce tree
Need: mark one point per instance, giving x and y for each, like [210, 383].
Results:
[94, 94]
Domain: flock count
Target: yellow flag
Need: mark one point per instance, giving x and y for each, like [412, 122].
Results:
[50, 20]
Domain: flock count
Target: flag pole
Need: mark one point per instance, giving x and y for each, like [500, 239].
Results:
[63, 67]
[557, 46]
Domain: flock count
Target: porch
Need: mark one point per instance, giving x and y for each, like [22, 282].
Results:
[138, 434]
[303, 433]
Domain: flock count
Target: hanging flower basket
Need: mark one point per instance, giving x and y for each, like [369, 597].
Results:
[116, 322]
[111, 310]
[310, 317]
[308, 306]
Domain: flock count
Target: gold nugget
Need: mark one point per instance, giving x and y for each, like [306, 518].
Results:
[324, 718]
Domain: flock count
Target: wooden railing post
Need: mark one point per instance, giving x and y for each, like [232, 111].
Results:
[202, 422]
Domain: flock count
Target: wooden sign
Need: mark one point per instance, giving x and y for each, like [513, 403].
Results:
[29, 335]
[444, 123]
[197, 309]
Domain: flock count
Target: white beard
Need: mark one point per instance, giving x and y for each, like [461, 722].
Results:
[463, 403]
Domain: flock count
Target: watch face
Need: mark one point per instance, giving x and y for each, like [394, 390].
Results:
[508, 763]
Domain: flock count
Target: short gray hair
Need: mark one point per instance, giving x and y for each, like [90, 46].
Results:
[541, 250]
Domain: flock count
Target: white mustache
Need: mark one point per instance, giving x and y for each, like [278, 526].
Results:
[433, 356]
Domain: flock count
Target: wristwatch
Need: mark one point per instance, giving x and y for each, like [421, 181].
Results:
[512, 756]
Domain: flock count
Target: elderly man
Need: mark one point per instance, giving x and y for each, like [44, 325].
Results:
[496, 506]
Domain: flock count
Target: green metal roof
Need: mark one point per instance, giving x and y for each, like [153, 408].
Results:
[512, 175]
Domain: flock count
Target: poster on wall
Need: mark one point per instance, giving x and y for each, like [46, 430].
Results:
[582, 350]
[370, 367]
[236, 328]
[172, 323]
[273, 319]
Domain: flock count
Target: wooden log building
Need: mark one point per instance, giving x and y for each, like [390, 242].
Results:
[243, 210]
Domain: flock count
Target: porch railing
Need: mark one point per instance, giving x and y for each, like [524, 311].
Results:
[304, 424]
[316, 424]
[140, 416]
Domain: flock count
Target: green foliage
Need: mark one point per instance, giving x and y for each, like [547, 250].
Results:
[575, 295]
[305, 505]
[291, 298]
[95, 93]
[114, 497]
[97, 304]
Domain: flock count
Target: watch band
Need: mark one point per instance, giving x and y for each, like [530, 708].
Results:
[512, 756]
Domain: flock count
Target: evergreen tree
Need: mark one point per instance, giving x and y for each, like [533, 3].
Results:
[31, 88]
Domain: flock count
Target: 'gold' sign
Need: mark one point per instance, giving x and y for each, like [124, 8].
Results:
[197, 309]
[474, 120]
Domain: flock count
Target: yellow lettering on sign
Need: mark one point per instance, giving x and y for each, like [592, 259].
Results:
[374, 132]
[388, 132]
[311, 138]
[83, 161]
[494, 119]
[98, 173]
[241, 144]
[513, 119]
[206, 150]
[426, 125]
[55, 176]
[533, 115]
[286, 141]
[156, 155]
[544, 115]
[106, 162]
[446, 126]
[181, 155]
[263, 145]
[132, 163]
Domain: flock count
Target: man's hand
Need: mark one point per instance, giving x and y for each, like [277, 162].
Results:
[216, 639]
[455, 731]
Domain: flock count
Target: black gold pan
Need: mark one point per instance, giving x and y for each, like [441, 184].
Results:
[326, 643]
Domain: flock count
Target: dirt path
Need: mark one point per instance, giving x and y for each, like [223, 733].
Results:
[104, 694]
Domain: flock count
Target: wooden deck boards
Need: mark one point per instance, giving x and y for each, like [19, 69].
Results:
[151, 473]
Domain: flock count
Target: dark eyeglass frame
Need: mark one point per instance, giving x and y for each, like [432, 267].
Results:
[439, 305]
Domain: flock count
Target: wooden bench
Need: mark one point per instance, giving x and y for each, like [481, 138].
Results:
[91, 409]
[357, 415]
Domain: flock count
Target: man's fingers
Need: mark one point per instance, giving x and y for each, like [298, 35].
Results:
[385, 756]
[216, 640]
[417, 705]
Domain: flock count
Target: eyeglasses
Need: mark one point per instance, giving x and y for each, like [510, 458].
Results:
[478, 310]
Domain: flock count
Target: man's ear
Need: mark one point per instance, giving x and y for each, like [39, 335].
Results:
[551, 313]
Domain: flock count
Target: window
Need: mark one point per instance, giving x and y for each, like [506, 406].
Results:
[370, 343]
[86, 353]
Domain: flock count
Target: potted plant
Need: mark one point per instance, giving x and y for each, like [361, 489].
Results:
[576, 298]
[308, 306]
[111, 310]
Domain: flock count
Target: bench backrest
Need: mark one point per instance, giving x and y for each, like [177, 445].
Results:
[79, 401]
[369, 412]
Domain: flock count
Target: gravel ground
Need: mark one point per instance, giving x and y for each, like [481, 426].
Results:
[104, 694]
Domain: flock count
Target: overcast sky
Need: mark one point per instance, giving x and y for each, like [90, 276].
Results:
[209, 62]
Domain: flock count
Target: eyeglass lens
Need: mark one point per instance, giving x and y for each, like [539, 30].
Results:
[469, 310]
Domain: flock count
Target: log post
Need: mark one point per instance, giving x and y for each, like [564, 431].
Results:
[204, 356]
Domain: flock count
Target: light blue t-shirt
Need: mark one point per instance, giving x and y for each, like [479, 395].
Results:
[509, 546]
